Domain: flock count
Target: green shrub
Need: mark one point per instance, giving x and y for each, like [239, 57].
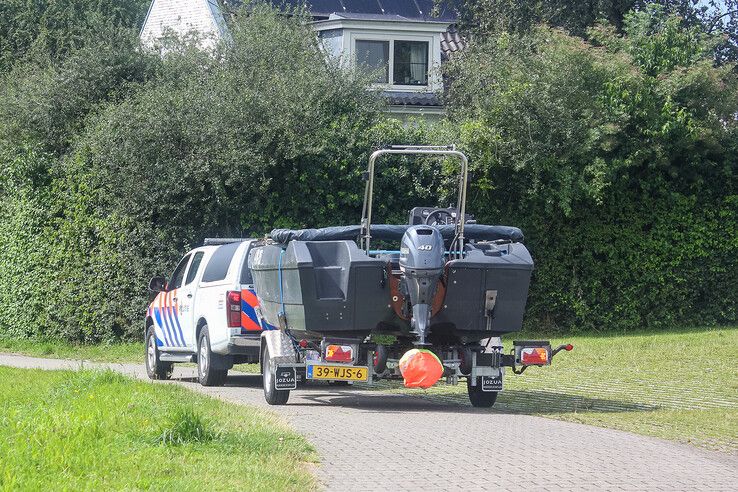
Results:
[617, 160]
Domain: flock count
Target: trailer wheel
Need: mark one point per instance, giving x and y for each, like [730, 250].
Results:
[465, 354]
[380, 359]
[206, 373]
[479, 398]
[272, 395]
[155, 368]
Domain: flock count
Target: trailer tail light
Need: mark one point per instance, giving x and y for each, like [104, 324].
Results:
[534, 356]
[233, 308]
[339, 353]
[533, 352]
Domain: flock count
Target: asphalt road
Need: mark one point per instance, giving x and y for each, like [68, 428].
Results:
[369, 440]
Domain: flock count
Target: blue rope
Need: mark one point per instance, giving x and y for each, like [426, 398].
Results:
[279, 274]
[295, 345]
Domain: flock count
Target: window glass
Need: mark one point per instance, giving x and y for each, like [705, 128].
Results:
[217, 268]
[246, 277]
[374, 55]
[410, 63]
[196, 260]
[178, 275]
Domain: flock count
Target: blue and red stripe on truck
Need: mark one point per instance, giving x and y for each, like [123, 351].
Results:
[164, 311]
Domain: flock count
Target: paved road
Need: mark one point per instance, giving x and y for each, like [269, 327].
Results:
[385, 442]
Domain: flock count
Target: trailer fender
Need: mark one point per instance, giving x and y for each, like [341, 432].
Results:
[280, 345]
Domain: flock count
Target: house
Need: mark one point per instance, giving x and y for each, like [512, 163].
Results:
[403, 41]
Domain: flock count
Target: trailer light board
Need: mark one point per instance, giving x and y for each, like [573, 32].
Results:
[339, 353]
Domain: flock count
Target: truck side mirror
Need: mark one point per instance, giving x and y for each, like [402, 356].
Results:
[157, 284]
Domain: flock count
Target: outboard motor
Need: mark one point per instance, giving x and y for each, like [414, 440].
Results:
[422, 262]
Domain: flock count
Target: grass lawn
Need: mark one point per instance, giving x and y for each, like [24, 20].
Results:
[93, 430]
[681, 385]
[117, 352]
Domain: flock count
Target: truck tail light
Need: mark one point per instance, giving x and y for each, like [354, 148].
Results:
[233, 308]
[534, 356]
[339, 353]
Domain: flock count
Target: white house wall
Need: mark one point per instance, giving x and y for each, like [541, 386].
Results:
[332, 42]
[183, 17]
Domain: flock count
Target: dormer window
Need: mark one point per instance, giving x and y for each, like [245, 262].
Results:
[374, 56]
[408, 65]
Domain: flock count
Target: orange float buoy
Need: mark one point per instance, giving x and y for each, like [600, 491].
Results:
[420, 368]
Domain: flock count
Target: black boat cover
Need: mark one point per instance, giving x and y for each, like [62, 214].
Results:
[390, 232]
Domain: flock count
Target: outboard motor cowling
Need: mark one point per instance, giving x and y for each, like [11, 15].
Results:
[422, 262]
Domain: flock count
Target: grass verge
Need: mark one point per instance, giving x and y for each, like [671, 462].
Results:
[99, 430]
[116, 352]
[680, 385]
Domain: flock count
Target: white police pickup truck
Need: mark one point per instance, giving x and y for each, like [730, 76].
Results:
[205, 313]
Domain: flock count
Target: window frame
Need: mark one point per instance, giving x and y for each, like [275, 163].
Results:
[410, 63]
[372, 36]
[184, 263]
[389, 56]
[190, 277]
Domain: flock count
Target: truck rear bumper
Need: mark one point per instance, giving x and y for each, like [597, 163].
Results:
[245, 345]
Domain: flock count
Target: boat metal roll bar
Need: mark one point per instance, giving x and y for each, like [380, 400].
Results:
[457, 245]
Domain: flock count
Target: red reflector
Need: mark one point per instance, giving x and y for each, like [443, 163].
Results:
[339, 353]
[233, 308]
[569, 347]
[534, 356]
[303, 343]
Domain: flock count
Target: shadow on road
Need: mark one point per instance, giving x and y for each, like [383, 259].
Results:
[541, 402]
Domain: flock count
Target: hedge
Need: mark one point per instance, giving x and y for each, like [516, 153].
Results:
[616, 157]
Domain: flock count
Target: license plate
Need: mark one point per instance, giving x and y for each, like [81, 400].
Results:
[337, 373]
[492, 383]
[285, 378]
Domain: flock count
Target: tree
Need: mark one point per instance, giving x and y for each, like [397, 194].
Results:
[481, 18]
[55, 28]
[616, 157]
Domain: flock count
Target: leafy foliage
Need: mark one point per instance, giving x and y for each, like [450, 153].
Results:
[55, 28]
[481, 18]
[615, 155]
[147, 155]
[616, 159]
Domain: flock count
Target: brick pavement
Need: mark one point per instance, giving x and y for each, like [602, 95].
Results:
[370, 440]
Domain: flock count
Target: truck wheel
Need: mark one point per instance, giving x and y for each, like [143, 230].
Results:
[206, 373]
[272, 395]
[155, 368]
[479, 398]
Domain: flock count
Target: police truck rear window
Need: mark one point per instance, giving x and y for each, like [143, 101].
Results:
[217, 268]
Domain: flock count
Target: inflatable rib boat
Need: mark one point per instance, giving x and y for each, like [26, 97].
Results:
[449, 284]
